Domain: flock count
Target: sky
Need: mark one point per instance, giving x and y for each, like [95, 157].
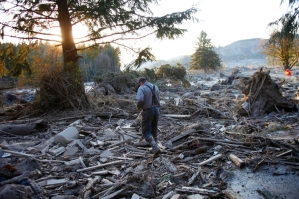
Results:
[224, 21]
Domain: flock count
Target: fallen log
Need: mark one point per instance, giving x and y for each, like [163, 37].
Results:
[26, 174]
[52, 182]
[284, 153]
[120, 158]
[100, 166]
[105, 172]
[224, 141]
[287, 145]
[106, 193]
[177, 116]
[196, 151]
[142, 144]
[8, 134]
[84, 192]
[25, 129]
[187, 159]
[196, 190]
[181, 145]
[176, 138]
[17, 153]
[258, 164]
[18, 121]
[233, 145]
[111, 189]
[240, 163]
[191, 180]
[211, 159]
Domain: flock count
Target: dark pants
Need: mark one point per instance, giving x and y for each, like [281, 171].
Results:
[150, 119]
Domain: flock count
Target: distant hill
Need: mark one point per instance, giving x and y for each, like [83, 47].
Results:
[240, 53]
[183, 59]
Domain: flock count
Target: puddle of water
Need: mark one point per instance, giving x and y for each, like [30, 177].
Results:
[126, 125]
[88, 86]
[280, 181]
[204, 82]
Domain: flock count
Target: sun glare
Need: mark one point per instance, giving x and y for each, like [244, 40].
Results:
[78, 33]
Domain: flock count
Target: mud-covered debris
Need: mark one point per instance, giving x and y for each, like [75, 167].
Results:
[199, 129]
[263, 96]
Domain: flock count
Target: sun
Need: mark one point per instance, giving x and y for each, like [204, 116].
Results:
[79, 31]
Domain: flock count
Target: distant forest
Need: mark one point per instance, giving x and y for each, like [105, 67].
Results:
[97, 61]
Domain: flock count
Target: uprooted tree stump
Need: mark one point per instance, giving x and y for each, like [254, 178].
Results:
[62, 90]
[262, 96]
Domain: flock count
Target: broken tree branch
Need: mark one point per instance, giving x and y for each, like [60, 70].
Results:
[100, 166]
[85, 193]
[240, 163]
[211, 159]
[191, 180]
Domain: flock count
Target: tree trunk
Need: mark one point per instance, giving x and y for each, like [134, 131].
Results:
[68, 44]
[64, 89]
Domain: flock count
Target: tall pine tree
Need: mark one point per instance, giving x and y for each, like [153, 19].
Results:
[204, 57]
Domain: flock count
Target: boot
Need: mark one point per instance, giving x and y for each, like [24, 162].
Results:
[157, 142]
[154, 145]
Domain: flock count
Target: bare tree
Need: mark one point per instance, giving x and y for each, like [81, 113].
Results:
[283, 43]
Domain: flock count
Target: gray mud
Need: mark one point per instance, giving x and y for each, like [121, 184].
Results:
[277, 182]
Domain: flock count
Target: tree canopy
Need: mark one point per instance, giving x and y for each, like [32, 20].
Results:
[204, 57]
[107, 21]
[99, 60]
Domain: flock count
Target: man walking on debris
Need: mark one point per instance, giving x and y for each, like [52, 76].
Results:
[148, 100]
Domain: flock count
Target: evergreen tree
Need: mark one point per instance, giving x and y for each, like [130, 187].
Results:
[107, 22]
[205, 58]
[99, 60]
[178, 71]
[107, 60]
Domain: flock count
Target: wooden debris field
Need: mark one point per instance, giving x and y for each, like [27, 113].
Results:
[203, 140]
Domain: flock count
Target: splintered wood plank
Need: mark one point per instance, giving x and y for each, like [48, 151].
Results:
[176, 116]
[188, 132]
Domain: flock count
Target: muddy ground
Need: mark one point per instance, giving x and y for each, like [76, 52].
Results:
[209, 150]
